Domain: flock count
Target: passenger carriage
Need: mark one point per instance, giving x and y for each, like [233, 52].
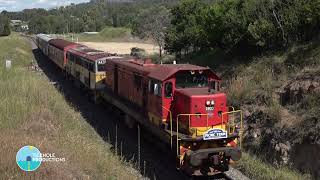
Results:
[42, 41]
[57, 51]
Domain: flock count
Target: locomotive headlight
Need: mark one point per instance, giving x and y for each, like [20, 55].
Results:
[212, 103]
[208, 103]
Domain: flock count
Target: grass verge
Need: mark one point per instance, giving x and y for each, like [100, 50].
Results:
[256, 169]
[33, 112]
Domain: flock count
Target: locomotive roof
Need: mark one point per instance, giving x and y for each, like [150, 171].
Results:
[44, 37]
[62, 44]
[137, 65]
[89, 53]
[164, 71]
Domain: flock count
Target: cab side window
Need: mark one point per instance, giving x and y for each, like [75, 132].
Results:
[155, 87]
[214, 85]
[168, 90]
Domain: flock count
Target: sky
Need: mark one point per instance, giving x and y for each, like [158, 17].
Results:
[18, 5]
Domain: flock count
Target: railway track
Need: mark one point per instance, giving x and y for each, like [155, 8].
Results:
[154, 164]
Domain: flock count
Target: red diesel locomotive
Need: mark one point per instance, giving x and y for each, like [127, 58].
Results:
[180, 104]
[184, 102]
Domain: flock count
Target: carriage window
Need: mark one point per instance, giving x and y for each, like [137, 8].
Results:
[78, 60]
[168, 89]
[84, 64]
[91, 65]
[71, 57]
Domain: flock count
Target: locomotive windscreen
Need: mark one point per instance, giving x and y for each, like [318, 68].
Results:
[101, 65]
[191, 79]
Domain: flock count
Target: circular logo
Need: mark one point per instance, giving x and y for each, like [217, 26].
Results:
[28, 158]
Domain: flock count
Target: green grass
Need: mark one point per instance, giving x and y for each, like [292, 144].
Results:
[33, 112]
[256, 169]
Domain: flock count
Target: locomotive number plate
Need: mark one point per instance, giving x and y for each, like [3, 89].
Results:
[209, 108]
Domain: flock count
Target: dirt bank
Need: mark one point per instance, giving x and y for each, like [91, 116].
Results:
[122, 47]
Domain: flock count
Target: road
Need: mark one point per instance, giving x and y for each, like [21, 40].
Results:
[159, 164]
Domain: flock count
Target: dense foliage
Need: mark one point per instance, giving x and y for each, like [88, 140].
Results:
[92, 16]
[241, 24]
[196, 25]
[4, 25]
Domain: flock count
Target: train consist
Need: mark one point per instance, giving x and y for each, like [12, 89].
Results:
[180, 104]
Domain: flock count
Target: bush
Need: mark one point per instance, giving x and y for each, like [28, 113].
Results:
[4, 26]
[137, 52]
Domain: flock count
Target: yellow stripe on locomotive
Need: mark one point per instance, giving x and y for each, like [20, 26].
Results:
[91, 74]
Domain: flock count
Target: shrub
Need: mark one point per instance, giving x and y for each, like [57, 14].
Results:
[4, 26]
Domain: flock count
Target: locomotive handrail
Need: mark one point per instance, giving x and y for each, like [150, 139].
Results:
[241, 122]
[231, 107]
[170, 115]
[189, 115]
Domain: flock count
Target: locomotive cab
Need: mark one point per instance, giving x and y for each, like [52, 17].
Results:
[196, 94]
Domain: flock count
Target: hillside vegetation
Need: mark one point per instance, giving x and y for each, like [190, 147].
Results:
[279, 95]
[241, 27]
[33, 112]
[108, 34]
[83, 17]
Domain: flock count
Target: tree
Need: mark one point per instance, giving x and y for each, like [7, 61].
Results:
[241, 26]
[186, 33]
[153, 23]
[4, 26]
